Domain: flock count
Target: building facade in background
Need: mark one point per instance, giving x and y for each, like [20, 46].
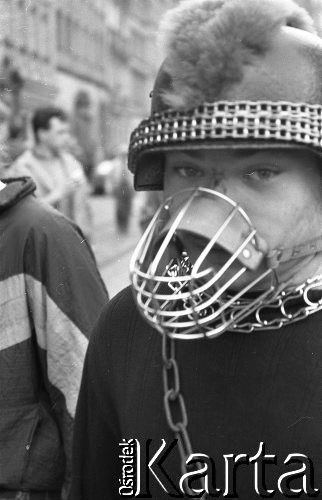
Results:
[95, 58]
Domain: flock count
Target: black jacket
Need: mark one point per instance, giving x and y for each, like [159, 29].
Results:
[240, 390]
[50, 297]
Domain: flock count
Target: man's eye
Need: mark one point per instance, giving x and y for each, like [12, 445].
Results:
[188, 172]
[261, 174]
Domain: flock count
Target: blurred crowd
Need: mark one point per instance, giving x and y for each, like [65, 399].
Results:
[54, 159]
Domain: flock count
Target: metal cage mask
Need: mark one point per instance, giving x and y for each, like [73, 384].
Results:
[195, 298]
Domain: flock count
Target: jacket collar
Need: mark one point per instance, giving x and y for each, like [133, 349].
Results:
[16, 189]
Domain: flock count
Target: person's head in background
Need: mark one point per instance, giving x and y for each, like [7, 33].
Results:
[5, 157]
[50, 126]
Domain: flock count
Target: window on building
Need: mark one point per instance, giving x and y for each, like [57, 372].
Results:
[21, 25]
[59, 31]
[138, 43]
[32, 29]
[76, 39]
[6, 19]
[68, 35]
[44, 35]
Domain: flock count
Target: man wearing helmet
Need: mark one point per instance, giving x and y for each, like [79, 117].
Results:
[228, 276]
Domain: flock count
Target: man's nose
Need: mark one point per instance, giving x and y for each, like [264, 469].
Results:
[218, 183]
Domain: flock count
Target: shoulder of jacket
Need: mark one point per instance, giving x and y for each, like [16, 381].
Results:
[120, 308]
[118, 319]
[46, 221]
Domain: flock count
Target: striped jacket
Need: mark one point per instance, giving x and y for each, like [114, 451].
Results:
[50, 296]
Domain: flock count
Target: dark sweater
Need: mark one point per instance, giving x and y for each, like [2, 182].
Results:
[239, 389]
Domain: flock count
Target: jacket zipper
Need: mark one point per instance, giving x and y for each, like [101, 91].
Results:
[28, 445]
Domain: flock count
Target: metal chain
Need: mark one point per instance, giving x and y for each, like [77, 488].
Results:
[273, 313]
[281, 306]
[174, 405]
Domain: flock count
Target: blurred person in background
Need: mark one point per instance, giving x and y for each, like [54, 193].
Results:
[16, 142]
[79, 208]
[102, 177]
[59, 177]
[123, 190]
[83, 130]
[4, 135]
[51, 294]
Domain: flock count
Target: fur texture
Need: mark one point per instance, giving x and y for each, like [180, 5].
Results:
[314, 8]
[208, 42]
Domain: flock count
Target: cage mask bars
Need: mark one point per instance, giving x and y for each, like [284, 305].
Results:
[188, 271]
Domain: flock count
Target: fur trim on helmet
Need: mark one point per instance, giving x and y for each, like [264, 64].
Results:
[314, 8]
[208, 42]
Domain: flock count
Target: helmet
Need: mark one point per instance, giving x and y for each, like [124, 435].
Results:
[245, 73]
[236, 75]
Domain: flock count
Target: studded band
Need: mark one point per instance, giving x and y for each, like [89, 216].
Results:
[239, 120]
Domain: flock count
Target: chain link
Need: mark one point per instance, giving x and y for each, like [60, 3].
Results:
[273, 314]
[174, 404]
[281, 306]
